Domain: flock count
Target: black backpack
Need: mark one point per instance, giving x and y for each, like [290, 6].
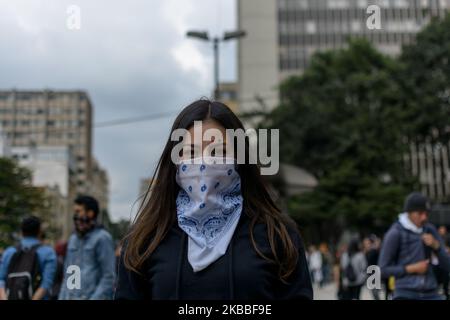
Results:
[24, 274]
[349, 271]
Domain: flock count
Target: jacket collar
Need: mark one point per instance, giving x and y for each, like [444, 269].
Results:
[406, 223]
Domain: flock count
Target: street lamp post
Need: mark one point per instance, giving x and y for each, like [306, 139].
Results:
[203, 35]
[216, 69]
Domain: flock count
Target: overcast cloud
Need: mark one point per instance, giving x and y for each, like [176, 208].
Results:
[130, 56]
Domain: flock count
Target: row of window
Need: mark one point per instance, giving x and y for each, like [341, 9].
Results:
[337, 40]
[44, 123]
[40, 111]
[430, 163]
[39, 96]
[21, 138]
[357, 14]
[355, 26]
[65, 123]
[300, 62]
[362, 4]
[297, 58]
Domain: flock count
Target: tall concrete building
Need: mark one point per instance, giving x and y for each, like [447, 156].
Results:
[258, 70]
[51, 166]
[99, 188]
[282, 35]
[50, 132]
[51, 118]
[228, 94]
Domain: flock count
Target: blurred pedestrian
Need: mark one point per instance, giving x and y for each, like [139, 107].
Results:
[443, 276]
[92, 250]
[315, 265]
[117, 254]
[354, 271]
[337, 270]
[28, 269]
[327, 262]
[371, 250]
[407, 250]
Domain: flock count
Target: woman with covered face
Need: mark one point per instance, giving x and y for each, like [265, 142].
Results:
[208, 227]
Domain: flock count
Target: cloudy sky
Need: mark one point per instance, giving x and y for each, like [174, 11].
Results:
[131, 57]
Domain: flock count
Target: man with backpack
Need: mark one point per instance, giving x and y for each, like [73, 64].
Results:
[408, 249]
[27, 270]
[91, 250]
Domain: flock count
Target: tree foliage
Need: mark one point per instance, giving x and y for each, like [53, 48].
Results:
[349, 119]
[426, 81]
[18, 198]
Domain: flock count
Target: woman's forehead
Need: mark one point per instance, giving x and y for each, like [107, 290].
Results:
[207, 124]
[210, 128]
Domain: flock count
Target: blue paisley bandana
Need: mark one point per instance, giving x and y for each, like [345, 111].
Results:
[209, 205]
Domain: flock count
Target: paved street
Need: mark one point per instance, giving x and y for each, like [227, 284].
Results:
[328, 292]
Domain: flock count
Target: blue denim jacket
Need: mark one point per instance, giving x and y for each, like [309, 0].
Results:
[94, 255]
[46, 257]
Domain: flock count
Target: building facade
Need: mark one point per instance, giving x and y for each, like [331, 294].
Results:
[282, 36]
[429, 162]
[228, 94]
[52, 169]
[52, 166]
[99, 189]
[51, 118]
[50, 132]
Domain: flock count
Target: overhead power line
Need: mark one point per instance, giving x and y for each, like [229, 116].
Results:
[110, 123]
[134, 119]
[104, 124]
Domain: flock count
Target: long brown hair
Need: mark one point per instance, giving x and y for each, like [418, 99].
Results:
[157, 212]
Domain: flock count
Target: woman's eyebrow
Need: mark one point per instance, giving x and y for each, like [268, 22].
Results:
[192, 145]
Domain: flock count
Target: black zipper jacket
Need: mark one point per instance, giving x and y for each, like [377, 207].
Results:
[240, 274]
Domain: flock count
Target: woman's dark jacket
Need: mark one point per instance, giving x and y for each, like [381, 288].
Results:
[238, 275]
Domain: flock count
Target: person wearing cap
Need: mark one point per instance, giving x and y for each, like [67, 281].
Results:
[408, 249]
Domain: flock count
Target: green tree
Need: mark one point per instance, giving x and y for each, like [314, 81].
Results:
[426, 76]
[18, 198]
[341, 121]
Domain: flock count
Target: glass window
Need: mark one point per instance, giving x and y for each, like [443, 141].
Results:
[401, 4]
[338, 4]
[310, 27]
[363, 4]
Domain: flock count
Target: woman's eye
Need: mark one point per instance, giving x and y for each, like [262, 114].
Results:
[190, 152]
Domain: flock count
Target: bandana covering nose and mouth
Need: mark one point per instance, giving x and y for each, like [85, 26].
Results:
[209, 206]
